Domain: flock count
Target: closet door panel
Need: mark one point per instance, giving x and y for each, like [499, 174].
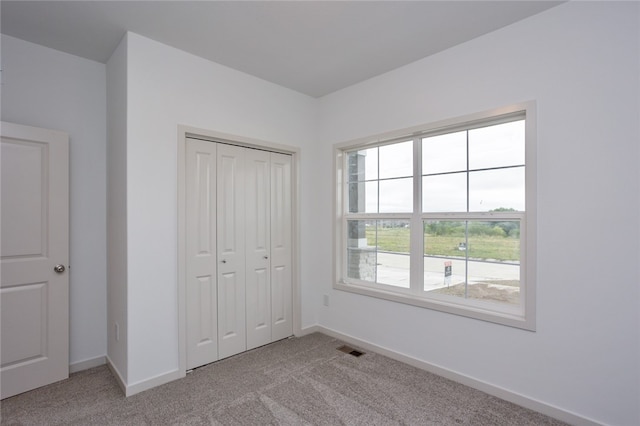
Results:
[231, 314]
[201, 293]
[231, 250]
[258, 224]
[281, 251]
[258, 308]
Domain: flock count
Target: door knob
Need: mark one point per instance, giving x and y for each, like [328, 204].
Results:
[223, 261]
[59, 268]
[266, 257]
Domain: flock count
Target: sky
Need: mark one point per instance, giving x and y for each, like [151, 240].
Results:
[388, 171]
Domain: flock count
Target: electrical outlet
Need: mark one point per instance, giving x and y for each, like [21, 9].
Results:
[116, 329]
[325, 300]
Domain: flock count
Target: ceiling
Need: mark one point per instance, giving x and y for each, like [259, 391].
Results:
[313, 47]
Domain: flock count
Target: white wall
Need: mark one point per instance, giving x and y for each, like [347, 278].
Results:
[117, 331]
[580, 62]
[47, 88]
[168, 87]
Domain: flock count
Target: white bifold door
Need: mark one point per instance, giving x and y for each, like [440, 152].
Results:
[238, 249]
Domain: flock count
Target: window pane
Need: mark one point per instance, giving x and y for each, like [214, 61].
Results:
[444, 238]
[362, 234]
[393, 269]
[444, 153]
[494, 261]
[363, 164]
[494, 282]
[444, 255]
[361, 249]
[393, 260]
[474, 259]
[396, 195]
[497, 146]
[444, 193]
[378, 251]
[496, 189]
[442, 273]
[393, 235]
[396, 160]
[495, 241]
[363, 197]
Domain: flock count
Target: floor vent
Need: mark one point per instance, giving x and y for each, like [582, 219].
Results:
[349, 350]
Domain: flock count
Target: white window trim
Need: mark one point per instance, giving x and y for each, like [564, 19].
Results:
[522, 316]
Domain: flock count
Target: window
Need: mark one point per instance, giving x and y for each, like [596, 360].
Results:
[443, 218]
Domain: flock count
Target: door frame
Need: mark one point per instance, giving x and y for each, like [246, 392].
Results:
[185, 132]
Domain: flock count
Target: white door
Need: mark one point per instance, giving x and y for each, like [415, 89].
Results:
[201, 288]
[231, 251]
[258, 247]
[281, 252]
[238, 249]
[35, 241]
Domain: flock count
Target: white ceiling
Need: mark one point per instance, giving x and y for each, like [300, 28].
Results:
[314, 47]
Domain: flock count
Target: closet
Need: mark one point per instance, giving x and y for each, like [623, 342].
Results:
[238, 249]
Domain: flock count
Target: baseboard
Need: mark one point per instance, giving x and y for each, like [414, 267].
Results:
[310, 330]
[147, 384]
[505, 394]
[117, 375]
[143, 385]
[87, 364]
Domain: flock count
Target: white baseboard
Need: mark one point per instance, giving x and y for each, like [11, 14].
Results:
[505, 394]
[310, 330]
[147, 384]
[132, 389]
[143, 385]
[87, 364]
[117, 375]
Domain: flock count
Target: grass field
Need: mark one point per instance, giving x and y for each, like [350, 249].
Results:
[479, 246]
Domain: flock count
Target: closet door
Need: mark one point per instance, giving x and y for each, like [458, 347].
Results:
[281, 252]
[258, 247]
[238, 249]
[201, 292]
[231, 251]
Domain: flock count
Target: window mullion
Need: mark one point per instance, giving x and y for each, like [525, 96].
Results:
[416, 241]
[345, 213]
[466, 230]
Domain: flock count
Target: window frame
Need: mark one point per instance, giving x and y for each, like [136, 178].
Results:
[521, 316]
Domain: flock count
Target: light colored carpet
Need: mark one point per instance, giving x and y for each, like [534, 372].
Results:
[298, 381]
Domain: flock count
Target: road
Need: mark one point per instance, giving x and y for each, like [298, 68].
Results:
[393, 269]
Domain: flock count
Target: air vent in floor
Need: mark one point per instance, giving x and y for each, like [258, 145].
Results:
[349, 350]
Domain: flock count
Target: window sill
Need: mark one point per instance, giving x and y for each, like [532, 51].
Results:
[485, 311]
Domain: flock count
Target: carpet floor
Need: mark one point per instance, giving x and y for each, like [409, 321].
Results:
[297, 381]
